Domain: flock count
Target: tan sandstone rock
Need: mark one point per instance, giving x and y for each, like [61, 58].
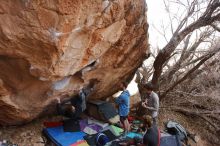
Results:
[53, 48]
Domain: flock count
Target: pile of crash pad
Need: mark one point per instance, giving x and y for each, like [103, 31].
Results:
[82, 132]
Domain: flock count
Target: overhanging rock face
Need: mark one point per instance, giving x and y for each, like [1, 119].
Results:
[54, 48]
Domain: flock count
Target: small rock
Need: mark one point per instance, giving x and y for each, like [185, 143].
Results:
[197, 138]
[32, 134]
[23, 134]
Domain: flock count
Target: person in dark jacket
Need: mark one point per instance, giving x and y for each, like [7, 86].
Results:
[75, 106]
[65, 108]
[152, 134]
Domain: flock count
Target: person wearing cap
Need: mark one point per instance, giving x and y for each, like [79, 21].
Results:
[150, 101]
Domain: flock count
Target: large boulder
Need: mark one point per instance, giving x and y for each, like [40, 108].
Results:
[54, 48]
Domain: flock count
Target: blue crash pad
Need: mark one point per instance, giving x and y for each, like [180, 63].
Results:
[61, 138]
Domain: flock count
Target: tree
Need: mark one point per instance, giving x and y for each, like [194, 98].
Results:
[183, 53]
[187, 67]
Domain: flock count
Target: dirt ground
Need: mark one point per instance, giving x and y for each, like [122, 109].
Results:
[190, 124]
[27, 135]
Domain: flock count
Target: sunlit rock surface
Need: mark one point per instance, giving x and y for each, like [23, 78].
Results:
[54, 48]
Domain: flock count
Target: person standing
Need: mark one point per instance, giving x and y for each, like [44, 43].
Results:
[151, 101]
[123, 102]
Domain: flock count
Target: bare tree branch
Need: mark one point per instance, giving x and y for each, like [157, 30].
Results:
[215, 27]
[205, 57]
[204, 20]
[185, 54]
[168, 11]
[198, 114]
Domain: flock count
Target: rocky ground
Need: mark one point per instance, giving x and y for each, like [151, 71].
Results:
[191, 126]
[27, 135]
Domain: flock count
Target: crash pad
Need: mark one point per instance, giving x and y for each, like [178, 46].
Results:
[117, 130]
[80, 143]
[101, 124]
[89, 128]
[114, 129]
[61, 138]
[171, 140]
[103, 111]
[108, 110]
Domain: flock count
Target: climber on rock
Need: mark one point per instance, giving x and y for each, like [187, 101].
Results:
[75, 106]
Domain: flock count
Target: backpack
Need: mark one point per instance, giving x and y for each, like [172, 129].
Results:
[175, 128]
[101, 139]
